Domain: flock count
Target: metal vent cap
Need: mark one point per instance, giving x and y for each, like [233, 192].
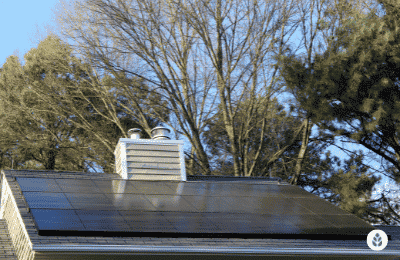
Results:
[134, 133]
[160, 133]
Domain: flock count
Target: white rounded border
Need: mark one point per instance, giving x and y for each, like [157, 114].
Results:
[371, 236]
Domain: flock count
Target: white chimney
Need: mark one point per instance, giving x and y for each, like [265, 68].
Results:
[150, 159]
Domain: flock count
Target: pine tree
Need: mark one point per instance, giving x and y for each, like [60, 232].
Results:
[352, 89]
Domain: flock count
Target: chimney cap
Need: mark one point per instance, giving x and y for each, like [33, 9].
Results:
[160, 133]
[134, 133]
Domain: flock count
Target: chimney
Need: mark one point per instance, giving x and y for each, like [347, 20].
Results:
[158, 158]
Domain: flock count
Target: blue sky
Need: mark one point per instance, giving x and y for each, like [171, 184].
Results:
[24, 23]
[20, 20]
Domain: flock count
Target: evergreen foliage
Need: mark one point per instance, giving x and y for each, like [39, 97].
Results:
[352, 89]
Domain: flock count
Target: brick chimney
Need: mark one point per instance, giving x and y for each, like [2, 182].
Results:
[158, 158]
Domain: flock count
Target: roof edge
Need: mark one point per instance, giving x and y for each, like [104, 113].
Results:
[224, 178]
[209, 250]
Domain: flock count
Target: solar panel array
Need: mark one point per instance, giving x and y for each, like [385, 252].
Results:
[204, 208]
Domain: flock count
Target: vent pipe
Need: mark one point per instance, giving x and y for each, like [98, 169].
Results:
[160, 133]
[134, 133]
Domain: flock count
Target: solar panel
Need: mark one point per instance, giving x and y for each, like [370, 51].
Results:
[150, 187]
[47, 200]
[191, 222]
[140, 208]
[57, 219]
[77, 186]
[102, 220]
[126, 201]
[90, 201]
[318, 206]
[38, 184]
[171, 203]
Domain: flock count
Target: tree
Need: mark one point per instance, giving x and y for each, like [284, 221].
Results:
[318, 22]
[343, 89]
[355, 83]
[385, 208]
[352, 187]
[34, 138]
[348, 186]
[65, 116]
[198, 54]
[259, 144]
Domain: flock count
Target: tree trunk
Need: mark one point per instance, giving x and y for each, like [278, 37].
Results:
[50, 161]
[225, 100]
[201, 155]
[302, 152]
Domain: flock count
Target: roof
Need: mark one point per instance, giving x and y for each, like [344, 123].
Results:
[294, 242]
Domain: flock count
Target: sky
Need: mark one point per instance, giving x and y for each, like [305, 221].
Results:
[23, 23]
[20, 23]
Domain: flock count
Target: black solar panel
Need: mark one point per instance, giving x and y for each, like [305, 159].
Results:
[160, 208]
[47, 200]
[38, 184]
[57, 219]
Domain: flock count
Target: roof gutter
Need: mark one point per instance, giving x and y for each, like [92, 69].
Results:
[123, 249]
